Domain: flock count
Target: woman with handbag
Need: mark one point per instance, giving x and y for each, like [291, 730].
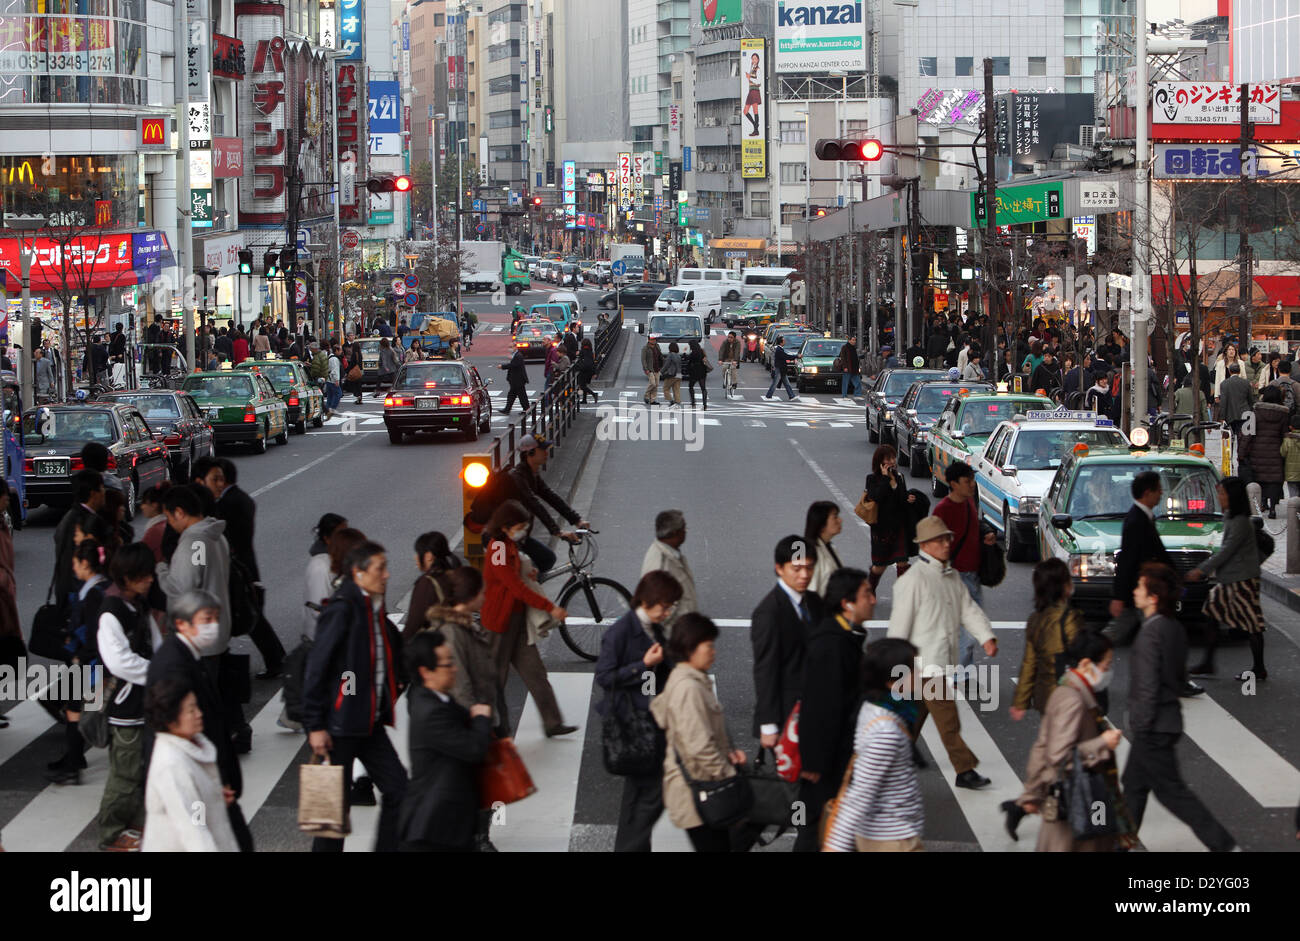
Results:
[354, 373]
[895, 525]
[1048, 633]
[89, 563]
[699, 752]
[1073, 723]
[879, 808]
[503, 613]
[631, 648]
[1234, 601]
[127, 638]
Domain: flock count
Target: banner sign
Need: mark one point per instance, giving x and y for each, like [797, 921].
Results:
[199, 59]
[351, 83]
[1032, 202]
[753, 114]
[826, 36]
[227, 157]
[263, 115]
[350, 30]
[1217, 103]
[385, 124]
[1224, 162]
[720, 12]
[227, 57]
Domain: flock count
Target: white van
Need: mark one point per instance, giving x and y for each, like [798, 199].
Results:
[770, 283]
[724, 278]
[679, 328]
[702, 299]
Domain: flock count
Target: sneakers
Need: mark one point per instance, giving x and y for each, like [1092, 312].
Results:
[128, 841]
[973, 780]
[285, 722]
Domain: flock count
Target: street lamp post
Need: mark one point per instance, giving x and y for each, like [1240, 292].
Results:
[460, 231]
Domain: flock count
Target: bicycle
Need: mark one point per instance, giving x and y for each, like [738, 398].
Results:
[593, 602]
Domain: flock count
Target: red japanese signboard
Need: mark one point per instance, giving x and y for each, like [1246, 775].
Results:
[227, 157]
[352, 144]
[90, 262]
[227, 57]
[263, 115]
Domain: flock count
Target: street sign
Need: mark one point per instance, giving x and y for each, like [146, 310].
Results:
[480, 228]
[412, 299]
[351, 239]
[618, 268]
[412, 281]
[480, 205]
[399, 286]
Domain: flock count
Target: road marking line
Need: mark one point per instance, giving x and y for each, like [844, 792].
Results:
[755, 423]
[1262, 773]
[844, 502]
[373, 421]
[302, 470]
[274, 749]
[57, 815]
[708, 421]
[842, 424]
[27, 722]
[797, 424]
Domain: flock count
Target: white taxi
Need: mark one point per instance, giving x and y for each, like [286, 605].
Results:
[1019, 461]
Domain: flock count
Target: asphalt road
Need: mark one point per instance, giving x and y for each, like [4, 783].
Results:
[743, 473]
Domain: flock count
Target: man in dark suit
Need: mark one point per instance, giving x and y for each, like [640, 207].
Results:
[88, 500]
[516, 379]
[779, 629]
[832, 687]
[196, 616]
[448, 743]
[239, 510]
[1155, 718]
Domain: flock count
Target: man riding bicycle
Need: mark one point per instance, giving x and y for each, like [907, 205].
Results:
[525, 484]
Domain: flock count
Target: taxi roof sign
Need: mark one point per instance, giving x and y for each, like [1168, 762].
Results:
[1060, 414]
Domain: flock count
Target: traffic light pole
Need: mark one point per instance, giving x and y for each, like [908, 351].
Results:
[990, 215]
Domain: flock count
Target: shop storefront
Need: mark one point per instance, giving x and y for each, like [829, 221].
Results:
[729, 253]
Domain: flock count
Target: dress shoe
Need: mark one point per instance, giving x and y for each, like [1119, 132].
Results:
[972, 779]
[1201, 669]
[561, 730]
[363, 792]
[63, 776]
[128, 841]
[1190, 689]
[1015, 813]
[271, 673]
[505, 411]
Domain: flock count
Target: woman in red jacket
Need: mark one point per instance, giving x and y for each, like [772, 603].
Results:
[504, 612]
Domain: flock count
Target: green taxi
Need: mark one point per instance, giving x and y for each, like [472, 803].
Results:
[302, 397]
[963, 428]
[1082, 514]
[816, 363]
[242, 407]
[756, 314]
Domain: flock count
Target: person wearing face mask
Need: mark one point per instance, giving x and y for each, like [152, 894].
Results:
[504, 611]
[632, 650]
[1073, 720]
[196, 617]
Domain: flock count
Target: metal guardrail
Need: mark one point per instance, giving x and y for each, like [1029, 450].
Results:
[551, 414]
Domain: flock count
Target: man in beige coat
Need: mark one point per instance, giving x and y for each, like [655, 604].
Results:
[665, 554]
[931, 606]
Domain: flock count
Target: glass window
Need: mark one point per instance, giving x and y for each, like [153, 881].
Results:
[760, 205]
[927, 65]
[1001, 65]
[794, 132]
[1044, 450]
[792, 172]
[1038, 65]
[431, 375]
[76, 192]
[965, 65]
[68, 427]
[1073, 65]
[75, 59]
[791, 212]
[155, 407]
[1103, 490]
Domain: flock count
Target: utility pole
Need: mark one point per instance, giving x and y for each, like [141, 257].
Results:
[1244, 261]
[26, 357]
[185, 220]
[1141, 223]
[990, 214]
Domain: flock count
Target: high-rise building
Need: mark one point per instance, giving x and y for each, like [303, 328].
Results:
[503, 102]
[428, 32]
[1265, 41]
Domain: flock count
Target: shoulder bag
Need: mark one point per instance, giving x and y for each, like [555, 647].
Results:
[774, 795]
[867, 510]
[1086, 799]
[503, 778]
[719, 803]
[630, 740]
[993, 564]
[49, 630]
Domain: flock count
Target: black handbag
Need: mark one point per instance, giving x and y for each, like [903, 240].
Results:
[49, 630]
[774, 797]
[993, 564]
[719, 803]
[1087, 800]
[630, 740]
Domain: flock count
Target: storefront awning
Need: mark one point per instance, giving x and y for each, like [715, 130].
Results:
[739, 245]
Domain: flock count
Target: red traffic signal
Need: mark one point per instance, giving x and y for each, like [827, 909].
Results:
[857, 150]
[389, 184]
[537, 201]
[820, 213]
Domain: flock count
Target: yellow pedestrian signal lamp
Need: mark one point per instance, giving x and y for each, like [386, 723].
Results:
[476, 474]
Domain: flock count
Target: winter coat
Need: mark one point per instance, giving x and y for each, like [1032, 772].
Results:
[1235, 397]
[201, 560]
[691, 717]
[651, 359]
[1264, 448]
[621, 665]
[828, 561]
[474, 650]
[832, 693]
[517, 371]
[730, 351]
[663, 557]
[1043, 641]
[1069, 722]
[182, 779]
[931, 606]
[1238, 558]
[1158, 666]
[1290, 451]
[507, 594]
[446, 746]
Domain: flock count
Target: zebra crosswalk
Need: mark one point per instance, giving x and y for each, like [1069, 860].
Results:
[1247, 778]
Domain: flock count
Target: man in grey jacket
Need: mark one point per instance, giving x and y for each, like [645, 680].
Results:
[665, 554]
[1155, 718]
[1235, 398]
[651, 362]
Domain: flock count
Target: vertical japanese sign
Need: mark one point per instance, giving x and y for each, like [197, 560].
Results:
[329, 26]
[352, 152]
[262, 115]
[674, 131]
[625, 181]
[570, 192]
[350, 27]
[385, 124]
[199, 65]
[753, 115]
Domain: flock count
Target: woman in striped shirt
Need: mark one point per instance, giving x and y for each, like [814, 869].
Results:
[879, 807]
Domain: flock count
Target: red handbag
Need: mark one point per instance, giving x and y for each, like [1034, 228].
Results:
[502, 778]
[788, 764]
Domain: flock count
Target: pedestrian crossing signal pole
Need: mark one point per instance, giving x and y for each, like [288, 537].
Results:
[475, 472]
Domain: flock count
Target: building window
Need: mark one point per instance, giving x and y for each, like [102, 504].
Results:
[439, 19]
[791, 213]
[794, 132]
[857, 127]
[1001, 65]
[1038, 65]
[928, 65]
[792, 172]
[503, 119]
[503, 85]
[760, 205]
[677, 91]
[1074, 65]
[965, 65]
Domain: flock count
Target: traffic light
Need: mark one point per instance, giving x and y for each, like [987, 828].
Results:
[271, 265]
[246, 261]
[288, 259]
[821, 213]
[537, 202]
[475, 473]
[389, 184]
[855, 150]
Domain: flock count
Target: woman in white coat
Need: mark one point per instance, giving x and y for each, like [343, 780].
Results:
[185, 808]
[821, 525]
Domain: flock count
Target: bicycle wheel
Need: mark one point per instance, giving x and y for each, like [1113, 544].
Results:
[593, 604]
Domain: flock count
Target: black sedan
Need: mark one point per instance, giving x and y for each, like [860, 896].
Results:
[185, 427]
[642, 294]
[884, 395]
[916, 414]
[438, 396]
[53, 436]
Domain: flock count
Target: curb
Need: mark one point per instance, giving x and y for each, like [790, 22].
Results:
[1277, 588]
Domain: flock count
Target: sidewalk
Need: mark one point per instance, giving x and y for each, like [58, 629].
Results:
[1277, 584]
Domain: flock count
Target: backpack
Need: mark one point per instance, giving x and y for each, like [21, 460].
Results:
[245, 599]
[490, 496]
[320, 368]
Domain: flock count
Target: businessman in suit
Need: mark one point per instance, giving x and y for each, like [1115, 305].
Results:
[1155, 718]
[1139, 543]
[779, 629]
[448, 743]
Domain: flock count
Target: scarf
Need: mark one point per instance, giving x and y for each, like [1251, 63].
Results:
[905, 709]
